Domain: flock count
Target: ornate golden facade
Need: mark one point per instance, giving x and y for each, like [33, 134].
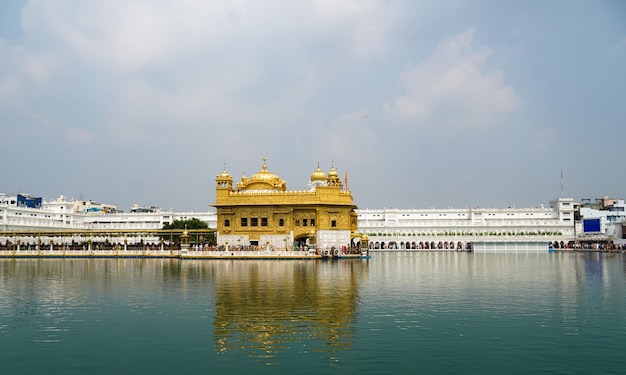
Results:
[260, 212]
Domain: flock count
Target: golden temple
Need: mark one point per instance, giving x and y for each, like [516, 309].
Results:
[259, 212]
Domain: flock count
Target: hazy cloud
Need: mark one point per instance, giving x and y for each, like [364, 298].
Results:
[439, 101]
[452, 88]
[79, 135]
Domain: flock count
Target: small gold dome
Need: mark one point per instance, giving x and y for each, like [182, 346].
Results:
[225, 175]
[333, 174]
[318, 174]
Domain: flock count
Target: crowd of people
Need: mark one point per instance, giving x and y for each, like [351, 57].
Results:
[588, 245]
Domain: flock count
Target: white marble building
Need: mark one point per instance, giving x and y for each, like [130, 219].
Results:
[484, 229]
[481, 229]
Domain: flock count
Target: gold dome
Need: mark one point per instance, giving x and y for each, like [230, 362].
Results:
[262, 180]
[318, 174]
[225, 175]
[333, 174]
[264, 175]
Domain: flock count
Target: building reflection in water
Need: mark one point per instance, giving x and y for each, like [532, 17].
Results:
[266, 307]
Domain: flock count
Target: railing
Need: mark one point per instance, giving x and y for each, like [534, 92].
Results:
[222, 253]
[64, 253]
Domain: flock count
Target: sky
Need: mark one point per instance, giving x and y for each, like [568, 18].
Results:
[422, 103]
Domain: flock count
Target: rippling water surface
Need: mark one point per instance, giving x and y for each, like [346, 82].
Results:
[394, 313]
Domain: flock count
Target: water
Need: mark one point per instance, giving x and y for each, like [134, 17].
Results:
[410, 313]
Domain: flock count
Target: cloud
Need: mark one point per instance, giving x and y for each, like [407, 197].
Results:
[79, 135]
[160, 69]
[365, 24]
[10, 82]
[43, 122]
[452, 89]
[9, 86]
[198, 83]
[125, 36]
[115, 35]
[349, 135]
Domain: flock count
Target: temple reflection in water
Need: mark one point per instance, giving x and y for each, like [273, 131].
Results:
[264, 307]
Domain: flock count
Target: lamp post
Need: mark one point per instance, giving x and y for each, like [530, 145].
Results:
[184, 241]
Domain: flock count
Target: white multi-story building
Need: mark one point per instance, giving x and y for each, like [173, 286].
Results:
[481, 229]
[23, 212]
[64, 214]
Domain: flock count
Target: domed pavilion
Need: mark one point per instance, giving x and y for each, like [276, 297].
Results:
[260, 213]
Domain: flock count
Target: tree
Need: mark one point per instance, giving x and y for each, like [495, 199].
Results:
[188, 224]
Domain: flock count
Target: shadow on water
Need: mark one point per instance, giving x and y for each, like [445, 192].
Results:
[266, 309]
[269, 312]
[404, 312]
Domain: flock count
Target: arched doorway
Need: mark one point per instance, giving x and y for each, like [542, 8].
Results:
[301, 243]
